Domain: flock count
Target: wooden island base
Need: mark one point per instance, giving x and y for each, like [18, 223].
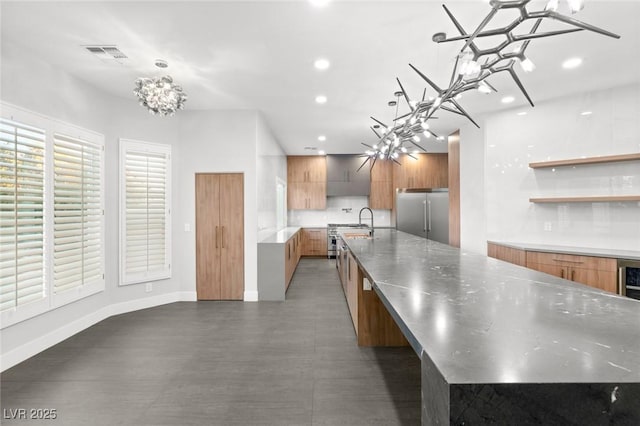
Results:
[373, 324]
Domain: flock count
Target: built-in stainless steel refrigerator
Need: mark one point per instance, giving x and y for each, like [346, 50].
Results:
[425, 214]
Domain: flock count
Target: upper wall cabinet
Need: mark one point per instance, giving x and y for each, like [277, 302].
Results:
[381, 195]
[427, 171]
[344, 178]
[307, 183]
[306, 169]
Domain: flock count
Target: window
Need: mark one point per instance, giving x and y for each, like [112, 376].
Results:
[145, 222]
[77, 223]
[52, 214]
[21, 213]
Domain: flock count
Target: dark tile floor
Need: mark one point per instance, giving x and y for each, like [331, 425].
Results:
[223, 363]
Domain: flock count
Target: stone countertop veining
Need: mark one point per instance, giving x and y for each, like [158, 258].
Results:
[282, 236]
[580, 251]
[481, 320]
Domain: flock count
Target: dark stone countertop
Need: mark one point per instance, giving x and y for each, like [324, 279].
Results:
[481, 320]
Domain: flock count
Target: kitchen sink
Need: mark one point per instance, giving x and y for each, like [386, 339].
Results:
[357, 235]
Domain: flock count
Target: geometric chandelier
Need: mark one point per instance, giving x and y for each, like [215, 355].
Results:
[159, 94]
[472, 70]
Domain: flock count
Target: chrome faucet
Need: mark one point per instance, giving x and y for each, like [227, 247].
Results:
[360, 217]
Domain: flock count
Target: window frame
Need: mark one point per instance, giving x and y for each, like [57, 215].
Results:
[142, 147]
[52, 301]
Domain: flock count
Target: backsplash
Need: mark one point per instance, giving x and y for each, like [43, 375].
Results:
[339, 210]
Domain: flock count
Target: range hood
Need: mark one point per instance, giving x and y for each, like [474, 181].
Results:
[343, 177]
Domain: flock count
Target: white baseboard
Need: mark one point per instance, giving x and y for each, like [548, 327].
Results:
[188, 296]
[250, 296]
[38, 345]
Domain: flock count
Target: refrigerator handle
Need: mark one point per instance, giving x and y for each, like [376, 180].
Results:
[424, 228]
[429, 215]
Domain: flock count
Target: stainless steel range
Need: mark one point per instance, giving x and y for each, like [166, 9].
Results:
[332, 236]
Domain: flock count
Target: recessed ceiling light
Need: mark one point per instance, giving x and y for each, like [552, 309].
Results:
[572, 63]
[321, 64]
[586, 113]
[522, 113]
[322, 138]
[508, 99]
[319, 3]
[321, 99]
[321, 152]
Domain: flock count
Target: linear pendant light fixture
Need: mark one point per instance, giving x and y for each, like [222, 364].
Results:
[473, 67]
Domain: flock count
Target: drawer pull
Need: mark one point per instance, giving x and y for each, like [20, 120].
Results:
[568, 261]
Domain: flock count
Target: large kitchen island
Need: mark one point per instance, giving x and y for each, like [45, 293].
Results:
[502, 344]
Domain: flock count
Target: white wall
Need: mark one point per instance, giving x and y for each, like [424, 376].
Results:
[215, 142]
[271, 164]
[37, 86]
[557, 130]
[472, 206]
[211, 141]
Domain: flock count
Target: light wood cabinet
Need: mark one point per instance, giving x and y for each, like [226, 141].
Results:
[508, 254]
[426, 171]
[352, 289]
[314, 242]
[289, 258]
[373, 324]
[597, 272]
[306, 168]
[381, 191]
[306, 196]
[220, 236]
[306, 183]
[292, 253]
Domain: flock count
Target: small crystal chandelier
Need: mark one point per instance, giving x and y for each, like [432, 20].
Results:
[159, 94]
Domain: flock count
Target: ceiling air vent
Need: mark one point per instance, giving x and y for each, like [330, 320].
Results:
[107, 53]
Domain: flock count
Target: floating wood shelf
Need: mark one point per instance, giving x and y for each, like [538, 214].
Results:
[596, 199]
[588, 160]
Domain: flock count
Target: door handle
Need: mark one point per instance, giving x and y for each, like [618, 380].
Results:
[424, 214]
[620, 285]
[216, 237]
[429, 215]
[223, 236]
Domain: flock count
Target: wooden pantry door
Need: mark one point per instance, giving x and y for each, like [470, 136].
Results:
[232, 226]
[219, 236]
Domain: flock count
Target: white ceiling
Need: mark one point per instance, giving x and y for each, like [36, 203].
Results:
[259, 55]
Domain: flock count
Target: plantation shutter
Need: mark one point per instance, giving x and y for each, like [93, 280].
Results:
[145, 216]
[77, 224]
[22, 159]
